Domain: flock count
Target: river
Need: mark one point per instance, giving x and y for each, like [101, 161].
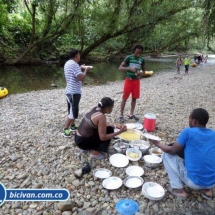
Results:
[23, 79]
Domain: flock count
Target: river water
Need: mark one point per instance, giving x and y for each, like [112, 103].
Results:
[23, 79]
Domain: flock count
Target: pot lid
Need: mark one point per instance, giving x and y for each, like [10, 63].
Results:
[127, 207]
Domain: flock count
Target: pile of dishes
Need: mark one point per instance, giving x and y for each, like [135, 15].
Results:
[153, 191]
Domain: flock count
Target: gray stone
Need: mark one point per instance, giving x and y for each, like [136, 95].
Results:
[22, 176]
[57, 212]
[78, 172]
[65, 206]
[67, 213]
[86, 205]
[14, 157]
[76, 182]
[211, 203]
[46, 213]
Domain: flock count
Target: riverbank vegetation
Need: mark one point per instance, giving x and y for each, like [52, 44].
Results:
[38, 30]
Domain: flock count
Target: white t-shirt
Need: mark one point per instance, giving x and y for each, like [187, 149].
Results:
[71, 71]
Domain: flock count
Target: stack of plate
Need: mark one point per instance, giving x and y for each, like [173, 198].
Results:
[153, 191]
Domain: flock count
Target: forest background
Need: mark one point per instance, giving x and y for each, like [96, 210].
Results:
[34, 31]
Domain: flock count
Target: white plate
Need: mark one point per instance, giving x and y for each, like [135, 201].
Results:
[102, 173]
[118, 160]
[112, 183]
[134, 171]
[152, 137]
[153, 190]
[133, 181]
[130, 125]
[138, 126]
[85, 66]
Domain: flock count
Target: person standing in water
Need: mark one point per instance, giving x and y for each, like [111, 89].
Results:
[134, 66]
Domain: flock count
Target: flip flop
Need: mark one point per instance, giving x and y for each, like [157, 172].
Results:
[133, 117]
[169, 189]
[206, 196]
[100, 156]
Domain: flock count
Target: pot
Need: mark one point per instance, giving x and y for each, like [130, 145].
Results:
[121, 147]
[142, 145]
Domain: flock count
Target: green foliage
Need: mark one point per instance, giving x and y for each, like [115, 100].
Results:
[48, 29]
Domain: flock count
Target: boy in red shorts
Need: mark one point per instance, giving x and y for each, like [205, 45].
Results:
[134, 66]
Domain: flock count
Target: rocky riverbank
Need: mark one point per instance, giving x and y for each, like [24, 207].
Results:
[34, 154]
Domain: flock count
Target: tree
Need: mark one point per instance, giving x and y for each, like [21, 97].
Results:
[208, 22]
[49, 20]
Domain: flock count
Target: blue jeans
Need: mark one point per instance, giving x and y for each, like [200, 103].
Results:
[177, 173]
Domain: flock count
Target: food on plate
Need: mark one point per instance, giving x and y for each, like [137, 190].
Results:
[133, 154]
[129, 136]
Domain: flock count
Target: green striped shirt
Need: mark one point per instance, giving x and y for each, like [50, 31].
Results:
[132, 61]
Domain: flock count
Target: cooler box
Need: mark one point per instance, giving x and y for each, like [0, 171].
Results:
[149, 121]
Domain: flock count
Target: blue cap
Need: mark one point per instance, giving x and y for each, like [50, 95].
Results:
[127, 207]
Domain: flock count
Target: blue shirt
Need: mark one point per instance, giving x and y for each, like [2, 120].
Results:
[199, 151]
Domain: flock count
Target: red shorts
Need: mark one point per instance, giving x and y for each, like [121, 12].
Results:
[131, 87]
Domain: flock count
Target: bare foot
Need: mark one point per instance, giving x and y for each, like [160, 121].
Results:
[179, 193]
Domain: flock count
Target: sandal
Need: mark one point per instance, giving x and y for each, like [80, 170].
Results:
[169, 188]
[121, 120]
[133, 117]
[206, 196]
[100, 156]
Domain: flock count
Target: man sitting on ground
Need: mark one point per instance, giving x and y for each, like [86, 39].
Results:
[197, 169]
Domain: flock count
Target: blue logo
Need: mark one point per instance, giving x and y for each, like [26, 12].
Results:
[2, 194]
[32, 194]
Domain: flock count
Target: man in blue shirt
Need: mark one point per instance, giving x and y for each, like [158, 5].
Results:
[197, 169]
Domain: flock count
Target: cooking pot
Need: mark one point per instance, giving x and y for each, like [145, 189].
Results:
[121, 147]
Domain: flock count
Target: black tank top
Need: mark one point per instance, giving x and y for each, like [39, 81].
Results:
[87, 128]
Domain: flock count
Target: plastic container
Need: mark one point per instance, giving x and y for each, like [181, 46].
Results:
[127, 207]
[149, 121]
